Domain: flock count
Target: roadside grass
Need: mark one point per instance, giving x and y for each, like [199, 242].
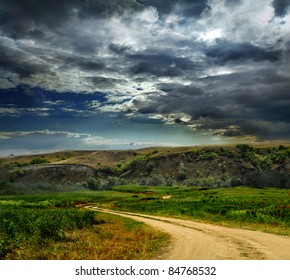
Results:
[117, 239]
[42, 230]
[256, 209]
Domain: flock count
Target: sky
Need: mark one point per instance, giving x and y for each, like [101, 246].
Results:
[127, 74]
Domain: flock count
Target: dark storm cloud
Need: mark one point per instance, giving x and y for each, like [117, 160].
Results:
[230, 106]
[37, 34]
[78, 58]
[4, 17]
[50, 12]
[163, 7]
[21, 16]
[273, 78]
[103, 82]
[160, 65]
[194, 8]
[260, 112]
[266, 130]
[26, 14]
[17, 61]
[82, 43]
[225, 51]
[118, 49]
[89, 65]
[281, 7]
[190, 8]
[104, 8]
[163, 70]
[53, 12]
[210, 101]
[250, 96]
[82, 63]
[175, 98]
[183, 90]
[263, 104]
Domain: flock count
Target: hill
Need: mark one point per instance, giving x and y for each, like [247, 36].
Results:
[204, 167]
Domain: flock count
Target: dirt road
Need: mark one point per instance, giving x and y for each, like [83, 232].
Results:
[199, 241]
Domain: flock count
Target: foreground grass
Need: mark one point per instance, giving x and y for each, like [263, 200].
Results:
[35, 231]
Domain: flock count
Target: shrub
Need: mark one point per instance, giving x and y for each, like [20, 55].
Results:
[112, 181]
[244, 147]
[156, 180]
[109, 170]
[94, 183]
[6, 188]
[149, 167]
[133, 163]
[39, 160]
[181, 175]
[143, 181]
[236, 182]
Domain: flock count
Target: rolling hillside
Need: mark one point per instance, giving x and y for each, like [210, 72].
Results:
[206, 167]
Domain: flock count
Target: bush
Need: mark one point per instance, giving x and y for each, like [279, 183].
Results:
[98, 184]
[244, 147]
[6, 188]
[94, 183]
[181, 175]
[131, 164]
[114, 181]
[156, 180]
[149, 167]
[143, 181]
[110, 171]
[39, 160]
[208, 182]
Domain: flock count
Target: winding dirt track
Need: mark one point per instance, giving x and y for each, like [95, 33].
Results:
[199, 241]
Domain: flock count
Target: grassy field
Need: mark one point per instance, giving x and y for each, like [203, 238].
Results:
[257, 209]
[48, 227]
[66, 231]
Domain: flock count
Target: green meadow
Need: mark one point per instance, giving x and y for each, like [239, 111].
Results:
[55, 226]
[257, 209]
[52, 226]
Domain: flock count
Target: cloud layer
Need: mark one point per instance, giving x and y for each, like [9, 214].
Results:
[219, 68]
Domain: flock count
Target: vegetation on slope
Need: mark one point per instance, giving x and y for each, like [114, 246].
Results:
[210, 167]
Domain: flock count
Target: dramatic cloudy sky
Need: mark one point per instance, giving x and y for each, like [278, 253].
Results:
[110, 74]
